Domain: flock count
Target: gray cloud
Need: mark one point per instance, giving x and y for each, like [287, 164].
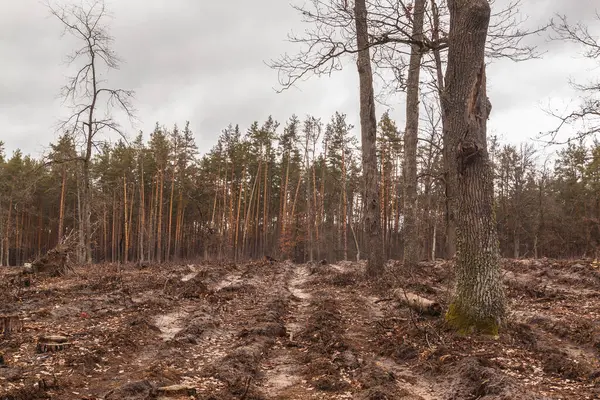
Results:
[203, 62]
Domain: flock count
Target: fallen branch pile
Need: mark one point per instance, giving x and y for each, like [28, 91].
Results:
[60, 260]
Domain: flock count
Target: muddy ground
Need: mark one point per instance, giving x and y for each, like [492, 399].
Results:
[285, 331]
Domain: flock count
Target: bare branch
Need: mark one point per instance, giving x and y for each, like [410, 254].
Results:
[587, 113]
[330, 40]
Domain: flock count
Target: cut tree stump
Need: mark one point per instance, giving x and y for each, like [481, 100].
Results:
[52, 343]
[176, 390]
[418, 303]
[9, 324]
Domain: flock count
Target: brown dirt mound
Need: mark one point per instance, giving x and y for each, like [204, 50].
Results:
[476, 379]
[238, 369]
[558, 362]
[323, 327]
[343, 279]
[192, 288]
[141, 390]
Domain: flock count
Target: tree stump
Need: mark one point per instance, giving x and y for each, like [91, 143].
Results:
[52, 343]
[9, 324]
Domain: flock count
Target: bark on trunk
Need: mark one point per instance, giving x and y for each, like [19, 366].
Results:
[449, 165]
[479, 301]
[368, 127]
[411, 240]
[61, 211]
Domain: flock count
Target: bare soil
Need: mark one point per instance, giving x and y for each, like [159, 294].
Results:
[265, 330]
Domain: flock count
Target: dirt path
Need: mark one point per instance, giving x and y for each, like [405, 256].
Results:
[283, 377]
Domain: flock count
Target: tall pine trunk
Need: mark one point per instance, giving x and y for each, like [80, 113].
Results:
[282, 235]
[479, 301]
[368, 125]
[170, 229]
[61, 211]
[142, 216]
[159, 197]
[125, 221]
[411, 240]
[344, 205]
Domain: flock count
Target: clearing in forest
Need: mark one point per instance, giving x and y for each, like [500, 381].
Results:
[266, 330]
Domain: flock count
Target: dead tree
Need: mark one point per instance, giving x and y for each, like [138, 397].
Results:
[479, 301]
[92, 102]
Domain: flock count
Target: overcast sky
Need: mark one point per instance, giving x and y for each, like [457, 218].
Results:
[203, 61]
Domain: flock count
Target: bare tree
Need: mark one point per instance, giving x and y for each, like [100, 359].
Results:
[390, 24]
[587, 114]
[86, 90]
[479, 301]
[368, 129]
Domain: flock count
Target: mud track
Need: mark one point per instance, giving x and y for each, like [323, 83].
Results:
[285, 331]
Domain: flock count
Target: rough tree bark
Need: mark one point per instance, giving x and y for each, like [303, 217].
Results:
[479, 302]
[411, 240]
[368, 127]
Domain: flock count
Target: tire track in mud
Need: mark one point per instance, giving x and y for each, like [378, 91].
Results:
[282, 371]
[187, 335]
[191, 332]
[256, 304]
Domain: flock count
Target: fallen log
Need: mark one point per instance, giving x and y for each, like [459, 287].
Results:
[418, 303]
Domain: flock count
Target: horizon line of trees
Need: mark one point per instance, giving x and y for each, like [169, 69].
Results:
[291, 192]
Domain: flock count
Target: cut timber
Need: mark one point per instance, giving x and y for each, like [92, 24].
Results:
[417, 302]
[52, 343]
[10, 324]
[176, 390]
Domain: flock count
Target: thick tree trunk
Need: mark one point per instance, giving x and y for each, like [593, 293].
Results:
[411, 240]
[479, 301]
[368, 127]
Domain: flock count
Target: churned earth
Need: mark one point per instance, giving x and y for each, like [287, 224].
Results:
[277, 330]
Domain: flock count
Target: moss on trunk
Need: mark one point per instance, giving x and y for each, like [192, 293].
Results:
[459, 319]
